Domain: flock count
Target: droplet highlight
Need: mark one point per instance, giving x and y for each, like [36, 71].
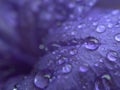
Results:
[106, 76]
[41, 81]
[100, 29]
[117, 37]
[103, 82]
[112, 56]
[83, 68]
[67, 68]
[91, 43]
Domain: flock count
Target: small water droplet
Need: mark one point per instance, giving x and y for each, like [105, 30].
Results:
[117, 37]
[100, 29]
[53, 46]
[14, 88]
[73, 33]
[96, 64]
[91, 43]
[101, 60]
[41, 81]
[62, 60]
[106, 76]
[79, 26]
[95, 23]
[83, 68]
[41, 46]
[110, 25]
[67, 68]
[73, 52]
[112, 56]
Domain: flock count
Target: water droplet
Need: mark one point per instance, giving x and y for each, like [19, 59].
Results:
[100, 29]
[67, 68]
[14, 88]
[73, 52]
[95, 23]
[53, 46]
[79, 26]
[41, 81]
[96, 64]
[117, 37]
[103, 83]
[83, 68]
[110, 25]
[41, 46]
[106, 76]
[62, 60]
[73, 33]
[101, 60]
[91, 43]
[112, 56]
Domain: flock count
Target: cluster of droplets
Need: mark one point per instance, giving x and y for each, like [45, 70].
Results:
[90, 43]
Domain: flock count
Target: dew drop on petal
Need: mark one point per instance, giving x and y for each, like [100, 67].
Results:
[101, 60]
[110, 25]
[41, 46]
[14, 89]
[95, 23]
[117, 37]
[67, 68]
[73, 52]
[112, 56]
[83, 68]
[106, 76]
[103, 82]
[91, 43]
[100, 28]
[41, 81]
[60, 61]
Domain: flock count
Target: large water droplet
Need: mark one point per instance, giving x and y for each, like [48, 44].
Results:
[117, 37]
[100, 29]
[103, 82]
[91, 43]
[112, 55]
[41, 81]
[83, 68]
[67, 68]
